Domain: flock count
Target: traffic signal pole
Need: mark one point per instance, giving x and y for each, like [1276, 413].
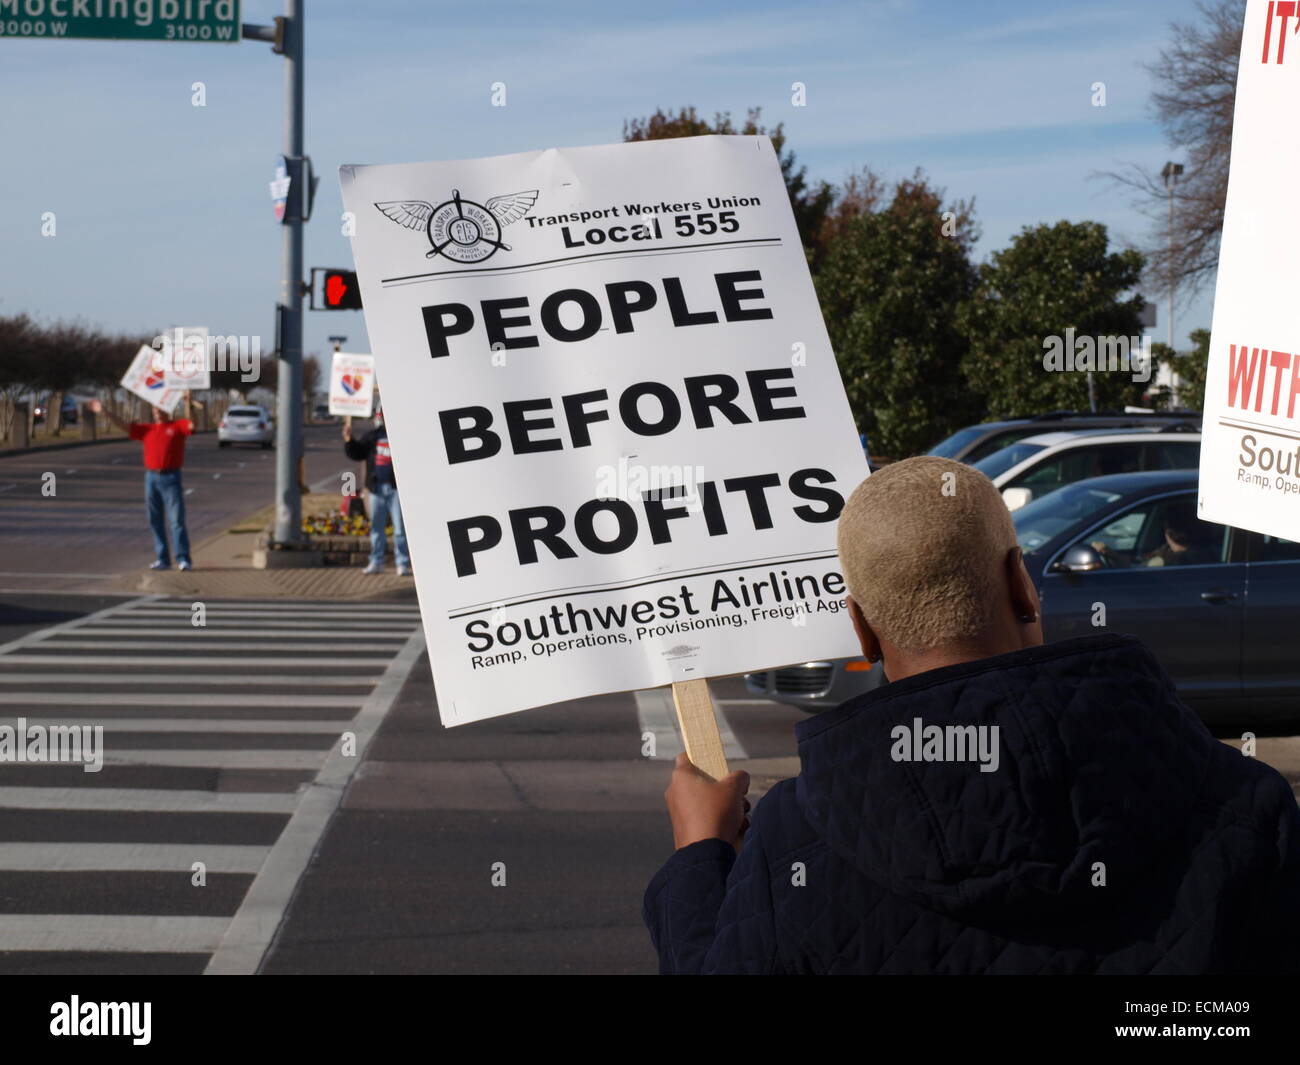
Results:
[287, 35]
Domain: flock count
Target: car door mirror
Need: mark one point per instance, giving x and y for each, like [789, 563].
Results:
[1081, 558]
[1015, 498]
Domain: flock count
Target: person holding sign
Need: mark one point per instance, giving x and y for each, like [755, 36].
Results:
[1000, 806]
[381, 483]
[164, 495]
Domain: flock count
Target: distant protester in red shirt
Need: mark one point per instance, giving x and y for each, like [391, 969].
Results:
[164, 496]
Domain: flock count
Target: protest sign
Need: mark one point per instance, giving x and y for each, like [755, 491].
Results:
[1250, 448]
[618, 428]
[145, 378]
[185, 357]
[352, 385]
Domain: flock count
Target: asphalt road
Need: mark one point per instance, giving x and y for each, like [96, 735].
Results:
[522, 844]
[226, 744]
[560, 800]
[214, 740]
[218, 745]
[90, 523]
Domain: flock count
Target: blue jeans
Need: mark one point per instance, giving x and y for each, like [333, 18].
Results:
[385, 507]
[165, 500]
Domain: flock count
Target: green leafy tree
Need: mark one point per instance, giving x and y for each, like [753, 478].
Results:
[1051, 278]
[811, 201]
[1190, 367]
[890, 288]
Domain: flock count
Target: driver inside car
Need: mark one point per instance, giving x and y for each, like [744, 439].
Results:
[1188, 540]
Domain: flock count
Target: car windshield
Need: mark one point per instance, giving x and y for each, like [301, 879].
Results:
[993, 466]
[950, 446]
[986, 448]
[245, 412]
[1044, 519]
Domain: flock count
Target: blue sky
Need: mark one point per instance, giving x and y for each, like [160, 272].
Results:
[163, 210]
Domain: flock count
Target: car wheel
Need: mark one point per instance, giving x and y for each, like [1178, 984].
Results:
[223, 443]
[266, 446]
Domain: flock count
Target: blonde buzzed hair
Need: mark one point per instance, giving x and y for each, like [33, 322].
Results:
[923, 543]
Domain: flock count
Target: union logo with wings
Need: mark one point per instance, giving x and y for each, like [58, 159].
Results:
[459, 229]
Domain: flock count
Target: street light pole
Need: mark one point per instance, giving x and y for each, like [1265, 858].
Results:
[1171, 172]
[286, 38]
[288, 498]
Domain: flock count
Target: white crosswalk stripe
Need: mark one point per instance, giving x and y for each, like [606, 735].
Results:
[111, 932]
[213, 738]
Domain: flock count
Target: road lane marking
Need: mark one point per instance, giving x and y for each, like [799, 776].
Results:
[183, 701]
[295, 607]
[656, 714]
[253, 927]
[216, 610]
[153, 800]
[188, 758]
[43, 634]
[130, 857]
[324, 646]
[274, 628]
[115, 726]
[110, 932]
[300, 680]
[155, 662]
[332, 482]
[70, 576]
[234, 631]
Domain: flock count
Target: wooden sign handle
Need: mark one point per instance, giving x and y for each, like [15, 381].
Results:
[699, 727]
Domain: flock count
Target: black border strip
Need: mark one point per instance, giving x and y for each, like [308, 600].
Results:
[753, 241]
[679, 575]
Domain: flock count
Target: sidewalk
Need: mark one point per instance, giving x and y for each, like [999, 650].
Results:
[223, 569]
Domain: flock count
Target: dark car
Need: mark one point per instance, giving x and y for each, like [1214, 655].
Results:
[1219, 606]
[975, 442]
[68, 411]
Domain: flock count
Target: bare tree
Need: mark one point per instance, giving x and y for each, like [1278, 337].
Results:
[17, 366]
[1196, 88]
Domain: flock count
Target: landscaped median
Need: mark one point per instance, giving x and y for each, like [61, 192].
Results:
[330, 538]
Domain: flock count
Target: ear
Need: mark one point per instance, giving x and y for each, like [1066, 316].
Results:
[1023, 594]
[871, 649]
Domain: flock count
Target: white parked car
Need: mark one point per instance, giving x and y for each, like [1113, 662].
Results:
[1036, 465]
[246, 425]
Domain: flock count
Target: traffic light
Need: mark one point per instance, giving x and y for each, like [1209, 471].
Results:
[342, 293]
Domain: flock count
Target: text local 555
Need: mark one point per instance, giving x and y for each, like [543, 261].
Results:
[604, 525]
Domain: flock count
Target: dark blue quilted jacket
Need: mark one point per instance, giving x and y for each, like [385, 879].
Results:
[1116, 836]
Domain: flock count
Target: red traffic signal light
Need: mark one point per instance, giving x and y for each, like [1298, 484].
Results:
[342, 293]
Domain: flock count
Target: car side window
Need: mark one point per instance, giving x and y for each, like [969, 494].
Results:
[1170, 455]
[1079, 463]
[1161, 532]
[997, 443]
[1264, 548]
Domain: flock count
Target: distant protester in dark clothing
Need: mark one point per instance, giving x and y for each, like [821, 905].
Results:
[385, 505]
[1000, 806]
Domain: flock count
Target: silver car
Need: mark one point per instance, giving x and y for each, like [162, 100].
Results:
[246, 425]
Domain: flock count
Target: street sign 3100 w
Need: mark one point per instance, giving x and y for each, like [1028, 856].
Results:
[132, 20]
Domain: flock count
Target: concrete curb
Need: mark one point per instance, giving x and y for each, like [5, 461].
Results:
[324, 582]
